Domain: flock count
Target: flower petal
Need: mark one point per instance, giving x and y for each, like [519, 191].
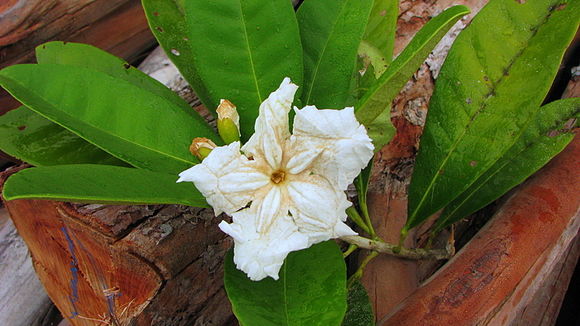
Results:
[226, 178]
[261, 255]
[269, 209]
[300, 161]
[271, 128]
[347, 147]
[318, 208]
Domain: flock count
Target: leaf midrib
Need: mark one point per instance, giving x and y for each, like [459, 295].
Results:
[536, 140]
[285, 297]
[395, 69]
[250, 56]
[319, 61]
[97, 129]
[476, 113]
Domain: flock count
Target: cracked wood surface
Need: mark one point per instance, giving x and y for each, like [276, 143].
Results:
[137, 265]
[23, 301]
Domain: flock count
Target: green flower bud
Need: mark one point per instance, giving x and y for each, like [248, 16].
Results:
[228, 122]
[201, 147]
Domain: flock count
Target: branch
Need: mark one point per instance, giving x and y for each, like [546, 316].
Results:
[393, 250]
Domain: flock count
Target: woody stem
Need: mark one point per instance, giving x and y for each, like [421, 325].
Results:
[402, 252]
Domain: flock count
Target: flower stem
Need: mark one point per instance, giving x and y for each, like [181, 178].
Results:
[350, 250]
[365, 212]
[359, 272]
[357, 219]
[399, 251]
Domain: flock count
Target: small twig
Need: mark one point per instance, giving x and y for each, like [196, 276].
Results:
[357, 219]
[349, 251]
[402, 252]
[365, 211]
[359, 272]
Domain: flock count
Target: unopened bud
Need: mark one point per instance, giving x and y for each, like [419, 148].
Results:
[228, 122]
[201, 147]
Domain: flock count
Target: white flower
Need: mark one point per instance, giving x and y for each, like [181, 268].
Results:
[294, 183]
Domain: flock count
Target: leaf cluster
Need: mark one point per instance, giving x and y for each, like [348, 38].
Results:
[487, 128]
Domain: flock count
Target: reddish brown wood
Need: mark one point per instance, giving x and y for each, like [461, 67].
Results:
[23, 301]
[147, 265]
[389, 280]
[491, 280]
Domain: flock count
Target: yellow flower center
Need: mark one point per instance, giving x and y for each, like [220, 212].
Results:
[278, 176]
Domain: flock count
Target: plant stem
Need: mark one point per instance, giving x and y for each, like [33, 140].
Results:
[365, 212]
[350, 250]
[399, 251]
[359, 272]
[357, 219]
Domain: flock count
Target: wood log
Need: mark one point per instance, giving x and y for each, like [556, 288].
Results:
[499, 274]
[116, 26]
[23, 301]
[127, 265]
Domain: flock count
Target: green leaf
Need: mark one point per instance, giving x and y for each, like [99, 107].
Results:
[36, 140]
[84, 55]
[496, 74]
[136, 126]
[166, 20]
[381, 129]
[544, 138]
[331, 32]
[359, 311]
[371, 56]
[90, 183]
[379, 97]
[381, 28]
[375, 51]
[311, 290]
[242, 50]
[31, 138]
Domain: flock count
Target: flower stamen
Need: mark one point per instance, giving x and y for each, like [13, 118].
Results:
[278, 176]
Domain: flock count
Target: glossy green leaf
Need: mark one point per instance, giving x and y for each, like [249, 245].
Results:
[381, 28]
[90, 183]
[379, 97]
[242, 50]
[544, 137]
[166, 20]
[359, 311]
[496, 74]
[311, 290]
[331, 32]
[134, 125]
[32, 138]
[84, 55]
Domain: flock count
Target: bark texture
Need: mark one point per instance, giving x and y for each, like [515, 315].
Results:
[127, 265]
